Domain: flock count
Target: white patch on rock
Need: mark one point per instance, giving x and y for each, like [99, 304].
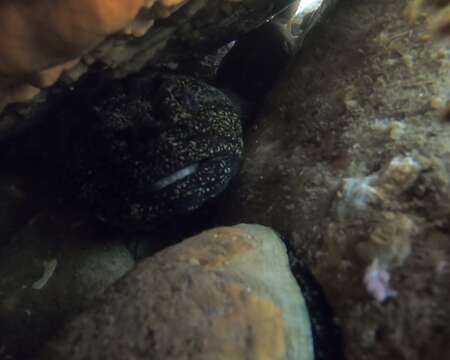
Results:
[355, 196]
[49, 269]
[357, 193]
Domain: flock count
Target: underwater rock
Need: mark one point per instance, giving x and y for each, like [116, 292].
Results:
[350, 159]
[72, 38]
[226, 293]
[49, 271]
[14, 206]
[154, 147]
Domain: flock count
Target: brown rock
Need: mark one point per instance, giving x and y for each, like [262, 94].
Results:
[350, 124]
[224, 294]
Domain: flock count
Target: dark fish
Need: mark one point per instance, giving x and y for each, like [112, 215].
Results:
[153, 147]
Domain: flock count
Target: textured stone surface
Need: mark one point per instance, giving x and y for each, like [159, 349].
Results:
[224, 294]
[49, 271]
[351, 162]
[15, 207]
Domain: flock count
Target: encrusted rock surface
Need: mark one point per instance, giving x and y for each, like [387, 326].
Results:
[351, 162]
[226, 293]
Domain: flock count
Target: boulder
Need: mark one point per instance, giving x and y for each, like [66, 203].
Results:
[226, 293]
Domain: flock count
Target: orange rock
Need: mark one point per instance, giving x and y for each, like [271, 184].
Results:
[36, 35]
[228, 243]
[169, 3]
[248, 306]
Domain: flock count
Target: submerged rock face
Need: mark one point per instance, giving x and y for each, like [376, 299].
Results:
[118, 36]
[225, 294]
[50, 270]
[351, 162]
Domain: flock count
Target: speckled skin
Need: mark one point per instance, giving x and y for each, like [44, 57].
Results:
[141, 132]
